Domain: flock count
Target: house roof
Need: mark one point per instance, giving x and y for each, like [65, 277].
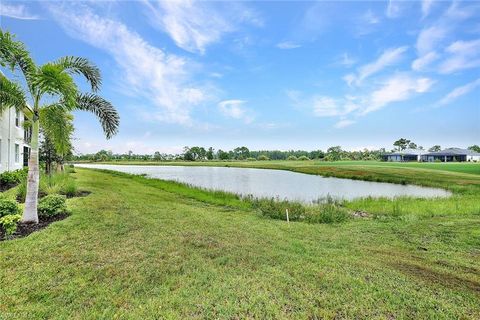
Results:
[411, 152]
[453, 152]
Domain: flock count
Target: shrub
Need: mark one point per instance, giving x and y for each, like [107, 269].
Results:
[251, 159]
[263, 157]
[303, 158]
[21, 191]
[327, 213]
[9, 223]
[9, 179]
[275, 209]
[69, 188]
[52, 205]
[292, 158]
[8, 207]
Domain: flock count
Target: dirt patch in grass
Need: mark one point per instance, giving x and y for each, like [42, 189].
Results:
[80, 193]
[436, 277]
[24, 229]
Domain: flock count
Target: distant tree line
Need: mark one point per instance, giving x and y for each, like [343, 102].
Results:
[196, 153]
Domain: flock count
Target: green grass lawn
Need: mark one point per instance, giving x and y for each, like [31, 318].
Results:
[146, 249]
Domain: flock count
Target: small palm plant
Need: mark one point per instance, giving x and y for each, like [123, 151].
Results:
[54, 95]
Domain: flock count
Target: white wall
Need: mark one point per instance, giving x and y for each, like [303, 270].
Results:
[10, 134]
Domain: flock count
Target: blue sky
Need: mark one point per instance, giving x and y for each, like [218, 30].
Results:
[268, 75]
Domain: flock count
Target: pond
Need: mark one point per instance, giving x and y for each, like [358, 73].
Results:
[266, 183]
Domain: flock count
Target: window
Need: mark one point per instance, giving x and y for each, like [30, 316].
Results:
[17, 118]
[17, 153]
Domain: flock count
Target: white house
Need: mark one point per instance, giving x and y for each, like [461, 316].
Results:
[452, 154]
[14, 140]
[405, 155]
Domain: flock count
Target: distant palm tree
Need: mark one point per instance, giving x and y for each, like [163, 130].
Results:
[54, 95]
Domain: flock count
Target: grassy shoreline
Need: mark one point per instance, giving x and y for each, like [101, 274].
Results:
[139, 248]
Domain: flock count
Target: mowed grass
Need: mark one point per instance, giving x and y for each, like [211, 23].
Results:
[138, 248]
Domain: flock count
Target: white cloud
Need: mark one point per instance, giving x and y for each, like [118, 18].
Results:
[429, 37]
[287, 45]
[235, 109]
[163, 79]
[462, 55]
[459, 91]
[393, 9]
[426, 7]
[326, 107]
[370, 18]
[194, 25]
[346, 60]
[17, 11]
[389, 57]
[424, 61]
[344, 123]
[399, 87]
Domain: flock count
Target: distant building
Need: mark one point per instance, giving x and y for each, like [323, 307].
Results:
[404, 155]
[452, 154]
[14, 140]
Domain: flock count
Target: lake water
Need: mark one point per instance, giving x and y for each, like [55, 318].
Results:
[266, 183]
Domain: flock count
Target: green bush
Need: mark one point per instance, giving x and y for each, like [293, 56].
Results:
[327, 213]
[251, 159]
[9, 179]
[8, 207]
[275, 209]
[69, 188]
[292, 158]
[303, 158]
[263, 157]
[9, 223]
[52, 205]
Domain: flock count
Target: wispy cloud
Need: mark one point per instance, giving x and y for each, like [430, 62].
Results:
[344, 123]
[236, 109]
[426, 7]
[458, 92]
[389, 57]
[287, 45]
[393, 9]
[424, 61]
[461, 55]
[163, 79]
[17, 11]
[397, 88]
[194, 25]
[346, 60]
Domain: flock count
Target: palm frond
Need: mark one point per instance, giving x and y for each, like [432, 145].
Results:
[78, 65]
[13, 54]
[11, 95]
[57, 125]
[104, 110]
[53, 80]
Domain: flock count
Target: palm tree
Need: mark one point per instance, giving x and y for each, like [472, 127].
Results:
[54, 95]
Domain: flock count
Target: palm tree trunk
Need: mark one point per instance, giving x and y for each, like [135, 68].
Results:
[30, 213]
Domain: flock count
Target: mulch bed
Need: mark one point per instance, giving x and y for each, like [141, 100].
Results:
[24, 229]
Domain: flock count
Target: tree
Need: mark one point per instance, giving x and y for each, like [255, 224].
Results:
[475, 148]
[210, 153]
[241, 153]
[48, 154]
[435, 148]
[334, 153]
[412, 145]
[54, 95]
[222, 155]
[157, 156]
[401, 144]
